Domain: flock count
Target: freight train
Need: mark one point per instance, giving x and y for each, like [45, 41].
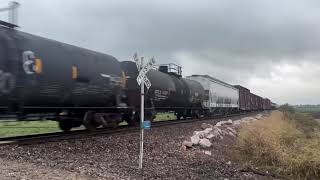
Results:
[46, 79]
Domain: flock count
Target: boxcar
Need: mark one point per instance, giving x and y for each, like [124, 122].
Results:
[260, 103]
[244, 98]
[254, 102]
[267, 104]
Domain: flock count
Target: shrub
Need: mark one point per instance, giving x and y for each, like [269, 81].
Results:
[278, 142]
[286, 109]
[304, 121]
[316, 115]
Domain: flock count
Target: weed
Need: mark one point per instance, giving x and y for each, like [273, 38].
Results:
[284, 143]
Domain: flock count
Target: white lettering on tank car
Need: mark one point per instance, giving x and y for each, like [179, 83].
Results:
[105, 75]
[28, 62]
[160, 95]
[114, 80]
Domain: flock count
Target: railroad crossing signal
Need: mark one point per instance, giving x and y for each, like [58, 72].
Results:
[143, 70]
[142, 77]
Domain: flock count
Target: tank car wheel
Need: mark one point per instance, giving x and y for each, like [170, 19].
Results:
[196, 116]
[134, 120]
[129, 119]
[88, 121]
[180, 116]
[65, 125]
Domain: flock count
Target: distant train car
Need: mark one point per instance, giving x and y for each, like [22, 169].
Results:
[274, 105]
[169, 91]
[260, 103]
[244, 98]
[267, 104]
[254, 102]
[223, 97]
[257, 102]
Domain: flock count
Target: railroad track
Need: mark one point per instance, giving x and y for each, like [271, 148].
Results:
[78, 134]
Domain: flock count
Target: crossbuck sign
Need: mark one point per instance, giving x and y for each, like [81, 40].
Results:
[143, 70]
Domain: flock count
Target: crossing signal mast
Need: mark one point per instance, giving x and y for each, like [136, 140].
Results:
[12, 12]
[142, 80]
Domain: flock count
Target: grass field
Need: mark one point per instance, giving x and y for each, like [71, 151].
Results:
[307, 108]
[165, 117]
[20, 128]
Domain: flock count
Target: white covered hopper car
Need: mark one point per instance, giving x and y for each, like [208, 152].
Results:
[221, 97]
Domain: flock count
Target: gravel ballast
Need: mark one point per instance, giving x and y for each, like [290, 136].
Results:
[116, 156]
[17, 170]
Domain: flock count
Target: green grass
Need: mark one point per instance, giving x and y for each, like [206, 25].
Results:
[165, 117]
[20, 128]
[307, 108]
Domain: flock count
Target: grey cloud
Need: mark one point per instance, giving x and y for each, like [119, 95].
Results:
[244, 28]
[232, 40]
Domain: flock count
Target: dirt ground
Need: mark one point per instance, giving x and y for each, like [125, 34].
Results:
[116, 157]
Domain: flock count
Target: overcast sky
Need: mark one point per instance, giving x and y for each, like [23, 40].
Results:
[270, 46]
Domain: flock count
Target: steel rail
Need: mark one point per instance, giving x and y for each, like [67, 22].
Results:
[80, 134]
